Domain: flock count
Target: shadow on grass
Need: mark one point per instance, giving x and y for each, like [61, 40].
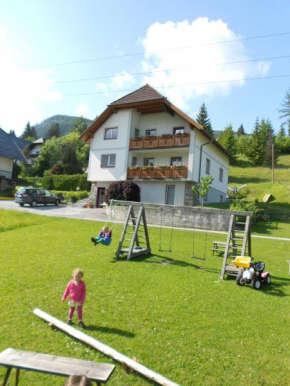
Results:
[109, 330]
[265, 227]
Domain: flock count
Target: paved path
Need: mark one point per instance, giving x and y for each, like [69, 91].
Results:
[69, 211]
[97, 214]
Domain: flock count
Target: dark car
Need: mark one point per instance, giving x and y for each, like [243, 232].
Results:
[34, 196]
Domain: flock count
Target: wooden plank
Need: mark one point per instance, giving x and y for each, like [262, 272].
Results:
[227, 247]
[105, 349]
[55, 365]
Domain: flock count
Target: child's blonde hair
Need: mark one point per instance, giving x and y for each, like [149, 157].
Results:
[77, 271]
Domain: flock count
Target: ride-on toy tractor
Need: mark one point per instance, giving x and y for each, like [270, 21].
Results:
[251, 272]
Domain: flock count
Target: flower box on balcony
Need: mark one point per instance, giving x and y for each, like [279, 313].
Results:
[181, 139]
[136, 143]
[148, 172]
[134, 172]
[166, 140]
[150, 141]
[163, 171]
[179, 171]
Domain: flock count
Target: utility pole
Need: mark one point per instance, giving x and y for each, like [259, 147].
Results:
[273, 163]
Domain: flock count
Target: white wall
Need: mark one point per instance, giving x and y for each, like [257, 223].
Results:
[154, 192]
[162, 122]
[217, 160]
[119, 147]
[6, 166]
[36, 150]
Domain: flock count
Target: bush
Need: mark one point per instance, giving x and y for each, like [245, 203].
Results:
[71, 196]
[239, 194]
[122, 190]
[247, 206]
[66, 182]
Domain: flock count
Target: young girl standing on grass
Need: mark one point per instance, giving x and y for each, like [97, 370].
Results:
[76, 290]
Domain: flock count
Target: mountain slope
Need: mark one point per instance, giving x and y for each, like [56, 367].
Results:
[65, 123]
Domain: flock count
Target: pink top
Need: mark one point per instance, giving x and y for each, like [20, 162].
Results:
[76, 293]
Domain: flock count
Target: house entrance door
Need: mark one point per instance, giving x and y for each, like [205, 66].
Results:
[170, 193]
[100, 197]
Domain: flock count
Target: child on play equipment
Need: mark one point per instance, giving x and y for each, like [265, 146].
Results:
[76, 290]
[104, 237]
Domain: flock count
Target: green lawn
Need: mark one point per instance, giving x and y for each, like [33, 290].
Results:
[178, 319]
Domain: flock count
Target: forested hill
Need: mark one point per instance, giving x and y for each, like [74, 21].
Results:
[65, 123]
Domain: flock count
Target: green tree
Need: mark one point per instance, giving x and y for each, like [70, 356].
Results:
[29, 133]
[228, 141]
[49, 155]
[53, 131]
[243, 144]
[256, 150]
[203, 119]
[285, 110]
[241, 131]
[202, 188]
[79, 126]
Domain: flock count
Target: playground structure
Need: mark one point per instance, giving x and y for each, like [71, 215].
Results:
[238, 243]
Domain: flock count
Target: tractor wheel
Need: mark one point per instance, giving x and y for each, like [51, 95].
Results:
[268, 280]
[256, 284]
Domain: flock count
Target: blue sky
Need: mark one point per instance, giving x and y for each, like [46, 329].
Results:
[177, 43]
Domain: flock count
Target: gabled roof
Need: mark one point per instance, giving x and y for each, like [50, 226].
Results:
[146, 100]
[9, 147]
[22, 143]
[39, 141]
[143, 94]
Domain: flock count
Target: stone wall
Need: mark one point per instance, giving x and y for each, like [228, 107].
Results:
[6, 184]
[177, 216]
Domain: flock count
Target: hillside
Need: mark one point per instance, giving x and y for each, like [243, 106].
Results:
[65, 122]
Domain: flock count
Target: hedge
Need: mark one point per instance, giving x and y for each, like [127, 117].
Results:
[66, 182]
[71, 196]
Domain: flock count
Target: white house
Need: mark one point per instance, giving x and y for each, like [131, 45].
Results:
[35, 147]
[145, 138]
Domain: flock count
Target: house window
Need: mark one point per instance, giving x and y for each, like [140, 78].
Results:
[151, 132]
[221, 176]
[148, 161]
[134, 161]
[136, 133]
[176, 161]
[178, 130]
[207, 166]
[111, 133]
[108, 161]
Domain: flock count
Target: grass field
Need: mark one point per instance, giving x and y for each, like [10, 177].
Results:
[178, 319]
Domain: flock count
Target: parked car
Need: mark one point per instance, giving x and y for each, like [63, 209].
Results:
[34, 196]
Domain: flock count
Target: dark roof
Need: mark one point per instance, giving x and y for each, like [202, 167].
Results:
[143, 94]
[9, 147]
[21, 143]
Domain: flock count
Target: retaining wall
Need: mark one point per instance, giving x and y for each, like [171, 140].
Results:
[177, 216]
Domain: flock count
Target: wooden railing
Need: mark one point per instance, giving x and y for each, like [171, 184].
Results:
[162, 141]
[157, 172]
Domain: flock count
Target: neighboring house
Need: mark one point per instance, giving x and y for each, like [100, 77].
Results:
[9, 152]
[145, 138]
[35, 147]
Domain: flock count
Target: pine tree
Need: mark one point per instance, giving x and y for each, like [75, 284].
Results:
[53, 131]
[228, 141]
[79, 126]
[203, 119]
[285, 110]
[256, 151]
[241, 131]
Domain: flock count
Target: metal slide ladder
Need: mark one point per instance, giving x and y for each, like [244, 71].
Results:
[136, 233]
[238, 243]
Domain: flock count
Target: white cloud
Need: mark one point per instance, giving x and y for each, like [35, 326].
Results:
[82, 110]
[21, 91]
[199, 63]
[120, 81]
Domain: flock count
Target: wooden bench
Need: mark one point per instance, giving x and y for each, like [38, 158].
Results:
[51, 364]
[218, 246]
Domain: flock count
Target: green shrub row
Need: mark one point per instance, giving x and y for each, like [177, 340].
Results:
[66, 182]
[71, 196]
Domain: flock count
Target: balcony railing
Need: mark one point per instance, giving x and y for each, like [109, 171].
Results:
[157, 172]
[162, 141]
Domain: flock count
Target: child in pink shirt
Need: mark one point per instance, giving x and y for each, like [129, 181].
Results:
[76, 290]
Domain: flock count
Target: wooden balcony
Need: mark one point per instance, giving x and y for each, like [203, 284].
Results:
[160, 142]
[157, 172]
